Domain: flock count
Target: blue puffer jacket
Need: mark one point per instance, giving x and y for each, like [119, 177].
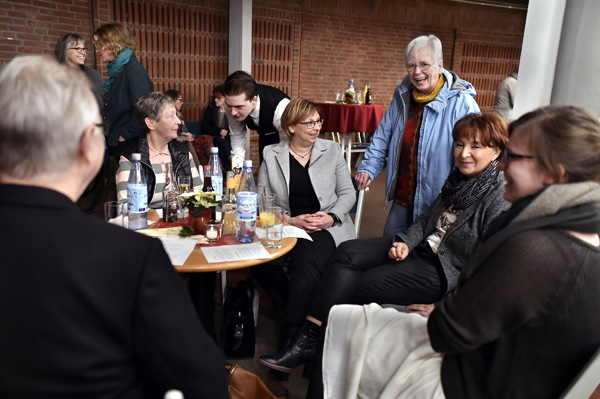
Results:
[435, 155]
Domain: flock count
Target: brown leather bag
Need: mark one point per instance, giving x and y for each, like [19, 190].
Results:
[244, 384]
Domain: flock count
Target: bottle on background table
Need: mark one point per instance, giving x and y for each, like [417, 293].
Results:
[368, 95]
[137, 195]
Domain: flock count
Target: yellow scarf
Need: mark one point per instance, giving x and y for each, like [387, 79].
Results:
[425, 98]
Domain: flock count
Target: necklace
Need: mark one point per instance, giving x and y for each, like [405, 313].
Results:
[301, 156]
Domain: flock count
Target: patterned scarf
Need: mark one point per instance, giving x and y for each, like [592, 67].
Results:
[425, 98]
[116, 66]
[462, 192]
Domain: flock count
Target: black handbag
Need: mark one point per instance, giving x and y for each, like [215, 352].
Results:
[238, 321]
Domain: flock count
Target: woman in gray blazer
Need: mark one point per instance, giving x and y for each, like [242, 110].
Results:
[422, 264]
[312, 182]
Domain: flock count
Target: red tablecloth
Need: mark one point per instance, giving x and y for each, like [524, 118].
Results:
[347, 118]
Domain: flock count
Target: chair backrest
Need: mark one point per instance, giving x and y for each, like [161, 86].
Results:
[588, 379]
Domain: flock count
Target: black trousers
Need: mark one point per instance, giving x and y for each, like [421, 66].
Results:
[360, 272]
[308, 260]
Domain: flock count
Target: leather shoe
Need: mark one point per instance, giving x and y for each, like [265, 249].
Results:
[300, 350]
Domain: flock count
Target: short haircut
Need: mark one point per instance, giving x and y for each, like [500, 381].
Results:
[296, 111]
[489, 129]
[240, 82]
[563, 135]
[66, 41]
[44, 109]
[174, 94]
[115, 37]
[151, 106]
[420, 42]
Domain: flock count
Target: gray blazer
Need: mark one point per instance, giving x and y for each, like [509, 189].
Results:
[463, 237]
[329, 175]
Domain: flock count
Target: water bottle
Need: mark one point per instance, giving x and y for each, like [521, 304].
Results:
[217, 171]
[137, 195]
[247, 179]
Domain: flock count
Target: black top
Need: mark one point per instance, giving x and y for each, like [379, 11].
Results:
[270, 97]
[303, 199]
[214, 120]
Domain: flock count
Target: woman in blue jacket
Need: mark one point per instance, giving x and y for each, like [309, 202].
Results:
[414, 138]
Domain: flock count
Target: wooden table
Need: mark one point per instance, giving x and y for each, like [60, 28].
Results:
[348, 119]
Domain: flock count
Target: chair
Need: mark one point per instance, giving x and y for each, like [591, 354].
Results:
[583, 386]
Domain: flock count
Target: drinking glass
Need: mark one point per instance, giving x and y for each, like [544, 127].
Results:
[274, 226]
[115, 211]
[185, 184]
[265, 202]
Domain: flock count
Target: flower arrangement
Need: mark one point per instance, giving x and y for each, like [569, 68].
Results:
[200, 201]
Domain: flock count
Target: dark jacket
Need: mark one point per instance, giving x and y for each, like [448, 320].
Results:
[132, 83]
[270, 97]
[210, 121]
[465, 234]
[92, 310]
[96, 82]
[179, 156]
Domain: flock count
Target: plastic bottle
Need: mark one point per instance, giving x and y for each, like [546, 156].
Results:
[245, 224]
[217, 172]
[170, 195]
[247, 179]
[137, 195]
[229, 206]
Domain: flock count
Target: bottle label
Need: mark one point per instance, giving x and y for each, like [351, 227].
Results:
[137, 195]
[217, 183]
[246, 206]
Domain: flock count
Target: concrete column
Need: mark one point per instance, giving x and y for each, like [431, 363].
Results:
[539, 54]
[240, 35]
[577, 77]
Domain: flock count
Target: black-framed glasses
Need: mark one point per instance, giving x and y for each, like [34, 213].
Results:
[423, 66]
[80, 49]
[179, 99]
[511, 155]
[311, 124]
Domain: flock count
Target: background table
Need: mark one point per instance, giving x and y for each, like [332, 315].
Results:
[348, 119]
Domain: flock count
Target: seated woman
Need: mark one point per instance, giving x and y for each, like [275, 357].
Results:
[524, 318]
[421, 264]
[158, 146]
[215, 123]
[312, 182]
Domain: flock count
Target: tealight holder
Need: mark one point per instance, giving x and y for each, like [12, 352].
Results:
[212, 230]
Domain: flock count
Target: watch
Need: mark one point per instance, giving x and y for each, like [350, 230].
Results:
[336, 219]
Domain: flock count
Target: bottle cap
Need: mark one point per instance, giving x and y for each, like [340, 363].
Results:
[247, 163]
[207, 167]
[214, 150]
[136, 156]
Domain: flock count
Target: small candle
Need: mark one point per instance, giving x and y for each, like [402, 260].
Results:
[212, 234]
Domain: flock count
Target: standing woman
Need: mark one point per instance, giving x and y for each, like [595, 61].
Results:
[215, 123]
[312, 182]
[128, 81]
[182, 133]
[71, 49]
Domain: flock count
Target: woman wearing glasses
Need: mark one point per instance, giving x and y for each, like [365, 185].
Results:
[127, 81]
[312, 182]
[71, 49]
[422, 264]
[414, 138]
[524, 318]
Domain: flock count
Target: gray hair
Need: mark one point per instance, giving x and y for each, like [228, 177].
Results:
[151, 106]
[44, 109]
[420, 42]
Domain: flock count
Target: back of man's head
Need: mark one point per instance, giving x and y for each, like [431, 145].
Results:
[44, 109]
[240, 82]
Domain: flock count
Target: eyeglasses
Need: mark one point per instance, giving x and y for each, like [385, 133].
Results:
[80, 50]
[511, 155]
[311, 124]
[178, 99]
[423, 66]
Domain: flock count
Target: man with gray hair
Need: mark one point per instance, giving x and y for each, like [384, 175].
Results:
[88, 309]
[414, 138]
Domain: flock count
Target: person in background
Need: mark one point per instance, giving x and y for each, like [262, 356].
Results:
[422, 264]
[215, 124]
[88, 309]
[414, 138]
[158, 119]
[524, 318]
[257, 107]
[71, 49]
[182, 133]
[505, 97]
[127, 81]
[312, 182]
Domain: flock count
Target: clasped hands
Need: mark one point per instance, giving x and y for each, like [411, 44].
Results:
[311, 222]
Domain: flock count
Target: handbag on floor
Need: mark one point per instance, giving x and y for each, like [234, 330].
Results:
[244, 384]
[238, 321]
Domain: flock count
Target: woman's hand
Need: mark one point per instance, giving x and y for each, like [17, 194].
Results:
[223, 133]
[398, 251]
[312, 222]
[362, 180]
[423, 310]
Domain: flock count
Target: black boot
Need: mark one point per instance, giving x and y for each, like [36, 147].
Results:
[297, 351]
